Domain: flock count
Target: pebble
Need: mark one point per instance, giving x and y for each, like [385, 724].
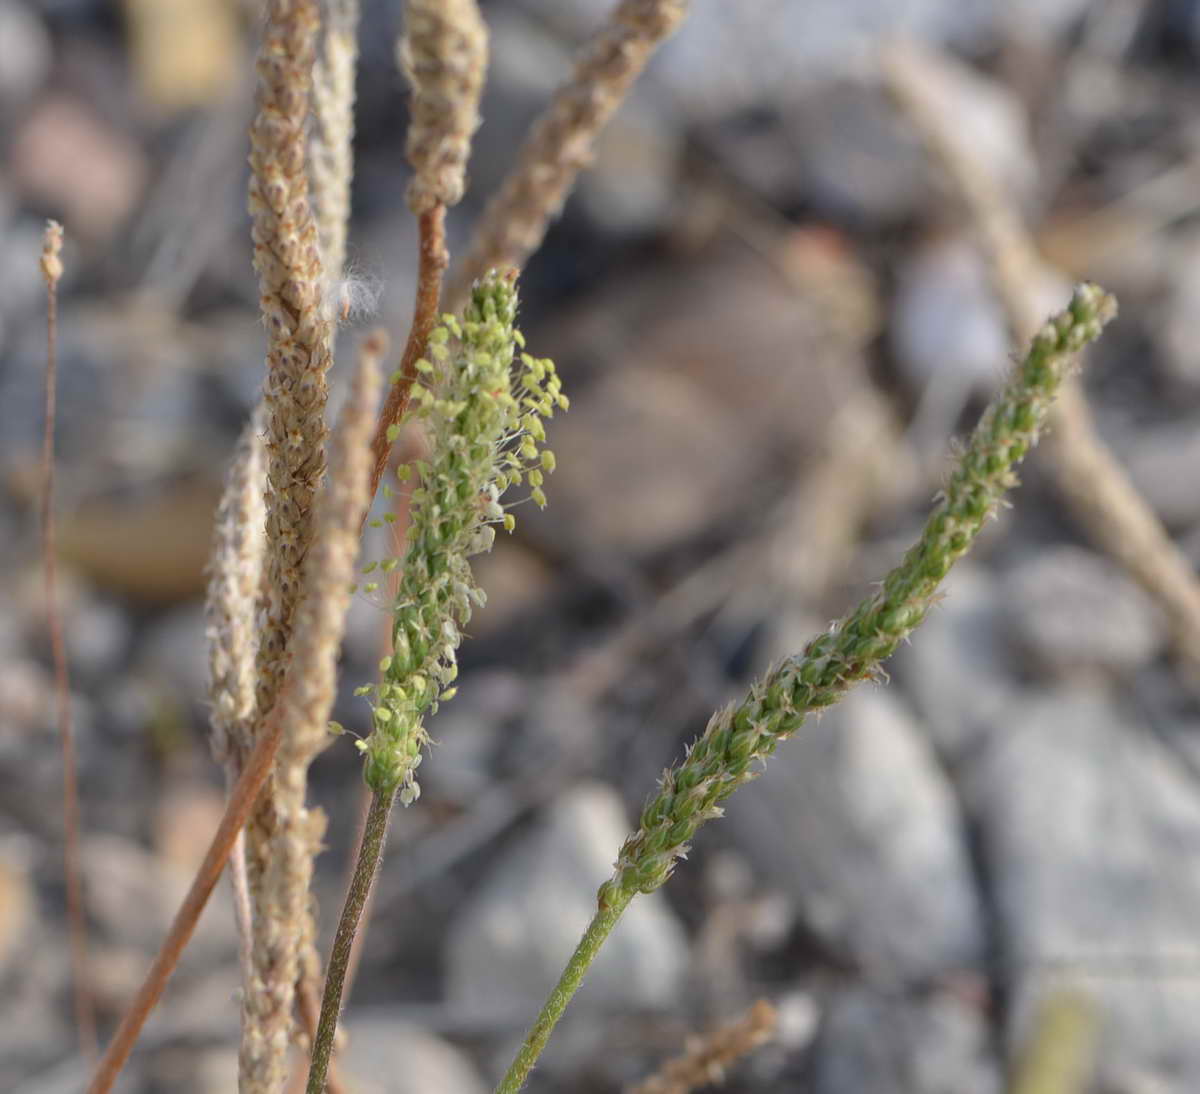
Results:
[1068, 609]
[1162, 462]
[1089, 827]
[509, 942]
[385, 1056]
[855, 821]
[958, 666]
[872, 1042]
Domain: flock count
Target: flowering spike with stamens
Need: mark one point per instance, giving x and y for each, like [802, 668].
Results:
[481, 404]
[729, 751]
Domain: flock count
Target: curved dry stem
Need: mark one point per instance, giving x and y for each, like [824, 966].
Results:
[237, 810]
[432, 264]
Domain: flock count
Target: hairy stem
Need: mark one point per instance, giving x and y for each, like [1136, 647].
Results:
[370, 853]
[585, 953]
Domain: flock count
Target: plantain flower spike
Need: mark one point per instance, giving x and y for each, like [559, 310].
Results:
[482, 404]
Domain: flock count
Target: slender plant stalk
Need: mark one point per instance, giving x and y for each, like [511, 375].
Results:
[605, 919]
[431, 267]
[443, 52]
[370, 854]
[740, 737]
[237, 809]
[85, 1011]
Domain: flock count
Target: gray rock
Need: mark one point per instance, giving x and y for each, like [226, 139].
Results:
[1089, 826]
[174, 650]
[1070, 609]
[508, 945]
[631, 186]
[133, 896]
[97, 638]
[872, 1043]
[850, 156]
[386, 1056]
[957, 667]
[1162, 463]
[25, 47]
[947, 327]
[854, 819]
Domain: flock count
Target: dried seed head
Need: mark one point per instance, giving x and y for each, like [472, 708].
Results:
[443, 52]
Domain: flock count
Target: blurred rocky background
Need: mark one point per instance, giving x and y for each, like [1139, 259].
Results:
[771, 316]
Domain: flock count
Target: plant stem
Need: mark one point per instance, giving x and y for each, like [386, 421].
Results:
[370, 852]
[85, 1012]
[431, 266]
[568, 984]
[237, 809]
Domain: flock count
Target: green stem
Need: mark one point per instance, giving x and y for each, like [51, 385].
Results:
[370, 852]
[568, 984]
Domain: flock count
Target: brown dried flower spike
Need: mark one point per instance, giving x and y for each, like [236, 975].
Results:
[443, 52]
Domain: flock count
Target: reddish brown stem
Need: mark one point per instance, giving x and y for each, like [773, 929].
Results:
[431, 267]
[237, 809]
[85, 1012]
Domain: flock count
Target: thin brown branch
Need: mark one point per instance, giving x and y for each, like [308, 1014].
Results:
[431, 267]
[1115, 516]
[85, 1011]
[237, 809]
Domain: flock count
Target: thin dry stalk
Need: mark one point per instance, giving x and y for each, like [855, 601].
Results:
[237, 811]
[706, 1058]
[560, 143]
[332, 144]
[234, 576]
[85, 1012]
[425, 316]
[444, 54]
[1115, 515]
[283, 929]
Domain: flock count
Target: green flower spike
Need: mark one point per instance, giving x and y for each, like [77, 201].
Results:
[482, 406]
[738, 738]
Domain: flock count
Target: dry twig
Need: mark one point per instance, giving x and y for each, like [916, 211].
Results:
[237, 810]
[85, 1014]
